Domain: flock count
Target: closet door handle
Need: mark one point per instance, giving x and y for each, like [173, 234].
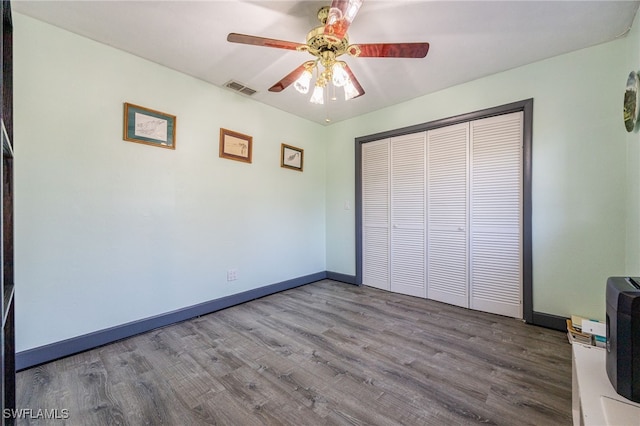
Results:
[460, 228]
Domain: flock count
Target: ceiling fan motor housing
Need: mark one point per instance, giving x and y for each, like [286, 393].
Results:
[319, 42]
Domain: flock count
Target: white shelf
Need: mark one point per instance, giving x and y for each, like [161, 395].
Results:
[595, 401]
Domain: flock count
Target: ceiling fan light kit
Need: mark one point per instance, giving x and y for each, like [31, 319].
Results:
[302, 83]
[350, 91]
[340, 76]
[318, 95]
[328, 42]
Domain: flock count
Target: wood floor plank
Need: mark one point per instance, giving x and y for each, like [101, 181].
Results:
[324, 353]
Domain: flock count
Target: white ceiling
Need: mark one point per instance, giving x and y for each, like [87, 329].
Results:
[469, 40]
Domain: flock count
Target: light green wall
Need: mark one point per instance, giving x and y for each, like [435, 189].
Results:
[632, 63]
[109, 231]
[579, 176]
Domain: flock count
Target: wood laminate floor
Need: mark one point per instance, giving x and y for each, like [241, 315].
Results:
[324, 353]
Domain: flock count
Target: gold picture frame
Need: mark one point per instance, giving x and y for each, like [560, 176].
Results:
[291, 157]
[149, 127]
[235, 146]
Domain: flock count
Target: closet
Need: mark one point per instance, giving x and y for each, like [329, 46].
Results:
[442, 214]
[395, 195]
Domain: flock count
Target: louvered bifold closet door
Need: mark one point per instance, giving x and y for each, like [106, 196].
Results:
[375, 214]
[447, 172]
[496, 215]
[408, 198]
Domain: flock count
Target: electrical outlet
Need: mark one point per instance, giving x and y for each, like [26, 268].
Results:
[232, 274]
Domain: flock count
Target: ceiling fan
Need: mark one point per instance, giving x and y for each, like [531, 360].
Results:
[327, 43]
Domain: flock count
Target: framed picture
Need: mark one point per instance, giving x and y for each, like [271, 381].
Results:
[291, 157]
[150, 127]
[235, 146]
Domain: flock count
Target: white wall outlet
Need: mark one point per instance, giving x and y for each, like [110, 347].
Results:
[232, 274]
[347, 205]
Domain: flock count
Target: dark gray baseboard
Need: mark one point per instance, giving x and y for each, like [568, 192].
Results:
[50, 352]
[344, 278]
[32, 357]
[553, 322]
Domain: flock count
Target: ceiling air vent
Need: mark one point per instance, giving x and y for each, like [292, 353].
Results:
[239, 87]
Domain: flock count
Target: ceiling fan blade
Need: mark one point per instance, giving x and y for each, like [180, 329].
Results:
[341, 15]
[393, 50]
[354, 81]
[289, 78]
[261, 41]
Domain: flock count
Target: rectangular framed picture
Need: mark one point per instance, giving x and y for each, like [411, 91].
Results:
[291, 157]
[235, 146]
[150, 127]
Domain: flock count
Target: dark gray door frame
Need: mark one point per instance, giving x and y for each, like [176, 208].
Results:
[526, 106]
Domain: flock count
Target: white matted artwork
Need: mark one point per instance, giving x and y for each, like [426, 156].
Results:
[235, 146]
[291, 157]
[149, 127]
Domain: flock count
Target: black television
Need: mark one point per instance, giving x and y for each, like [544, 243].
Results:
[623, 335]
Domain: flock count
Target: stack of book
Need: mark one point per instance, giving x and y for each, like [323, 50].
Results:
[586, 331]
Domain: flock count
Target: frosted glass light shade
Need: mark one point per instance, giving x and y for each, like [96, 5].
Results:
[302, 83]
[340, 76]
[318, 96]
[350, 91]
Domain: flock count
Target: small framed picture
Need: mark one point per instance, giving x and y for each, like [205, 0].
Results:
[235, 146]
[150, 127]
[291, 157]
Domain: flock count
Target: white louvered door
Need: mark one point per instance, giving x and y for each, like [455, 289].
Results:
[408, 198]
[496, 215]
[375, 214]
[447, 194]
[442, 214]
